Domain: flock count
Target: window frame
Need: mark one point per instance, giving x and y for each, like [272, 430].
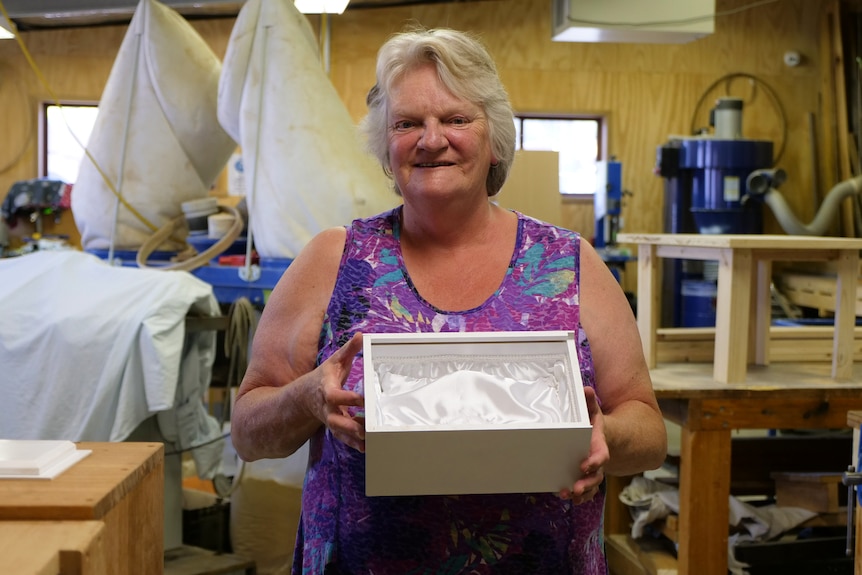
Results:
[601, 140]
[519, 117]
[43, 129]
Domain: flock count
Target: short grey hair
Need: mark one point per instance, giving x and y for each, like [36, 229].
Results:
[466, 69]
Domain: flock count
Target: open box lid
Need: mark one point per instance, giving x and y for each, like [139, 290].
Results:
[484, 380]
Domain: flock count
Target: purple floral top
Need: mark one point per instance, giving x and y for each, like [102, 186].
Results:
[342, 531]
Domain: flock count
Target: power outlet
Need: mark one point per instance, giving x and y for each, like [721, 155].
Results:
[792, 59]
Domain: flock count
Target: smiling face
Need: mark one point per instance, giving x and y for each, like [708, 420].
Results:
[439, 144]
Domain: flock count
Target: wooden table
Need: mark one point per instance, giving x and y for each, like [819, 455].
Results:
[743, 304]
[781, 396]
[739, 389]
[118, 484]
[52, 547]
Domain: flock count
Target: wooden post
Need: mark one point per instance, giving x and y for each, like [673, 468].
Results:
[705, 489]
[835, 107]
[732, 315]
[845, 314]
[617, 517]
[649, 296]
[762, 314]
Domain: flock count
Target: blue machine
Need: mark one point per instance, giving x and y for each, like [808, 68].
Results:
[705, 191]
[607, 202]
[226, 280]
[707, 178]
[607, 207]
[228, 285]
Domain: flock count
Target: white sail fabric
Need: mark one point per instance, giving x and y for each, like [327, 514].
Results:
[157, 136]
[305, 169]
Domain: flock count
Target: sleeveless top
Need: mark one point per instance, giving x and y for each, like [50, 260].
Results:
[341, 531]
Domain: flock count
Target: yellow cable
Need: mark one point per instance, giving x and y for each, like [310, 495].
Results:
[198, 260]
[242, 325]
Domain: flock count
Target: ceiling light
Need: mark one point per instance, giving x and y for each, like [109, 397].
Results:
[321, 6]
[7, 29]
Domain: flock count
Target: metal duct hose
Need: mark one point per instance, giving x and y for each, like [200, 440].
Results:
[763, 180]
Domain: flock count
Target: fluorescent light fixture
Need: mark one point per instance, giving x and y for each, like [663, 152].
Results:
[321, 6]
[7, 29]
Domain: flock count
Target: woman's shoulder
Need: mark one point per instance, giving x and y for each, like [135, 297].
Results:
[320, 255]
[382, 221]
[536, 227]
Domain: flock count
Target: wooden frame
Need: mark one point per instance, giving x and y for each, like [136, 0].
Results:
[743, 310]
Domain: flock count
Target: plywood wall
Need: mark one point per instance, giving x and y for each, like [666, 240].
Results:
[647, 92]
[533, 186]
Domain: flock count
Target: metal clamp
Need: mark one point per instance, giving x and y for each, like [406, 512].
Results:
[851, 478]
[249, 273]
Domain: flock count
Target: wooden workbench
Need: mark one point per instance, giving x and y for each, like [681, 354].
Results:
[739, 389]
[120, 485]
[51, 547]
[743, 302]
[782, 396]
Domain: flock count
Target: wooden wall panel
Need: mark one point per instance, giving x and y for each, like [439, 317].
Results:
[648, 92]
[533, 186]
[18, 118]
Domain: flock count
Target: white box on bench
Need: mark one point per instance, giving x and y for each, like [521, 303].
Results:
[432, 428]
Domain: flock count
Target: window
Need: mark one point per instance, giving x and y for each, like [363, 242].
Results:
[61, 154]
[578, 139]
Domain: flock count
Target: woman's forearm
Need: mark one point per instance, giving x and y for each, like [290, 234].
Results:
[271, 422]
[637, 439]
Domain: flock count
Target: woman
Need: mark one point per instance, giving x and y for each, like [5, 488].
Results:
[449, 260]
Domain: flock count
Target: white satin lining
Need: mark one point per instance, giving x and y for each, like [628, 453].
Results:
[458, 390]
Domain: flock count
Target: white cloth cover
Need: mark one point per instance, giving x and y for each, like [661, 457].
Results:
[304, 166]
[649, 500]
[157, 135]
[89, 351]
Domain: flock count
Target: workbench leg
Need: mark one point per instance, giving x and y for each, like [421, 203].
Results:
[704, 492]
[845, 315]
[618, 518]
[648, 301]
[732, 315]
[762, 313]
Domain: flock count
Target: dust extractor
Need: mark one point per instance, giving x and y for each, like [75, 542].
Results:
[718, 184]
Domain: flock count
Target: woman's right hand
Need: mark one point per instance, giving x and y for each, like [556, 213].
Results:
[331, 402]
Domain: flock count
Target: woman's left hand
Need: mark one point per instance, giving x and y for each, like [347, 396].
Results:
[593, 467]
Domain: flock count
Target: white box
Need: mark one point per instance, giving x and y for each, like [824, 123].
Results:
[497, 452]
[37, 458]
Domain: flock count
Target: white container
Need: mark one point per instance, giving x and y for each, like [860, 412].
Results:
[514, 420]
[218, 225]
[37, 458]
[197, 212]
